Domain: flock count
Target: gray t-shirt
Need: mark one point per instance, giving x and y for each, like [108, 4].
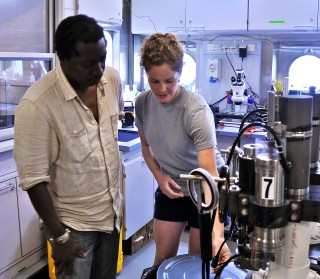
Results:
[176, 131]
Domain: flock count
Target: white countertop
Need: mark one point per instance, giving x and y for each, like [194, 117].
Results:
[129, 145]
[6, 145]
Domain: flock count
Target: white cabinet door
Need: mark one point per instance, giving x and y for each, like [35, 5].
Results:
[31, 235]
[149, 17]
[226, 15]
[9, 220]
[106, 11]
[138, 195]
[181, 16]
[291, 15]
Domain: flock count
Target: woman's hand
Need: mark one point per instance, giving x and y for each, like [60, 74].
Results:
[63, 256]
[225, 253]
[169, 187]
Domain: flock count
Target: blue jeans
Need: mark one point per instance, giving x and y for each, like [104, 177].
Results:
[102, 255]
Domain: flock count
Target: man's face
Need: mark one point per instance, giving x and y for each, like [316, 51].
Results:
[85, 68]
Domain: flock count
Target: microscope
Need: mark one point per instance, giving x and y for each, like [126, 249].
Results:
[238, 94]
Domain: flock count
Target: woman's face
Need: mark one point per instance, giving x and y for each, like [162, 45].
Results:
[164, 83]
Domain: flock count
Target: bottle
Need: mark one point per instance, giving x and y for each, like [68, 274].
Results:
[127, 93]
[135, 92]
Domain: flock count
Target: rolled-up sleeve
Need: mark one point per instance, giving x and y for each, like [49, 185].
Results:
[32, 138]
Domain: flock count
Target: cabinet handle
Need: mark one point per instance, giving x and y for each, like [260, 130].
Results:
[196, 29]
[7, 187]
[139, 239]
[175, 29]
[304, 28]
[114, 21]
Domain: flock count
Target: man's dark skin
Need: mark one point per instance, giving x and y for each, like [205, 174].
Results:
[83, 71]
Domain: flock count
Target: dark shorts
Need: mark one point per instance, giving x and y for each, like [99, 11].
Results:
[175, 210]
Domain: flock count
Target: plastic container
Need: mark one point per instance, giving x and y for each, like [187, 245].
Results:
[128, 95]
[135, 91]
[52, 273]
[120, 254]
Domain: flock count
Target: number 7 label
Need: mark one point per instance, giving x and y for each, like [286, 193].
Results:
[267, 191]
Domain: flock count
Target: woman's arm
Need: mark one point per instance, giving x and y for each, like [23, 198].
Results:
[166, 184]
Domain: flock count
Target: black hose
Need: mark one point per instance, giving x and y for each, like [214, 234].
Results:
[283, 160]
[247, 116]
[219, 272]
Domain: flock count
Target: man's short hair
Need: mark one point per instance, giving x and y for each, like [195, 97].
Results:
[73, 29]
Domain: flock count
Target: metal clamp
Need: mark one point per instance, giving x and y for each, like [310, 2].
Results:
[298, 135]
[205, 176]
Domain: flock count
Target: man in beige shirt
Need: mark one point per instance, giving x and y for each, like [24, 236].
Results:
[66, 150]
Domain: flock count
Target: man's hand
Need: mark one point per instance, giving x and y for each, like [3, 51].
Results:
[63, 256]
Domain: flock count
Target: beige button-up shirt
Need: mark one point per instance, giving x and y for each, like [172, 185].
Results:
[57, 140]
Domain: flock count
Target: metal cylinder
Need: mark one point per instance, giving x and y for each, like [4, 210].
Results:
[296, 115]
[266, 243]
[266, 246]
[269, 180]
[315, 142]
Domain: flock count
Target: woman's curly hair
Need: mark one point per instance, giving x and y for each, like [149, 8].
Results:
[159, 49]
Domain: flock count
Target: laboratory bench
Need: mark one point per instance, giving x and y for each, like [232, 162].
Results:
[128, 138]
[226, 135]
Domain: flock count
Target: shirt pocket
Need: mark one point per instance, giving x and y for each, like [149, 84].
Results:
[77, 146]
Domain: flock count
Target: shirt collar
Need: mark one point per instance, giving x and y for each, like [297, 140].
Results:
[69, 93]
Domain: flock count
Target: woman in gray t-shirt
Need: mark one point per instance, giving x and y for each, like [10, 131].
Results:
[177, 133]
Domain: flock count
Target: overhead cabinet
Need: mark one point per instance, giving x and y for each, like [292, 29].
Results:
[192, 16]
[226, 15]
[108, 12]
[284, 15]
[157, 16]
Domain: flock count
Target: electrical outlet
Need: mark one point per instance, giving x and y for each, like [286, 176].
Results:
[214, 47]
[230, 47]
[251, 47]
